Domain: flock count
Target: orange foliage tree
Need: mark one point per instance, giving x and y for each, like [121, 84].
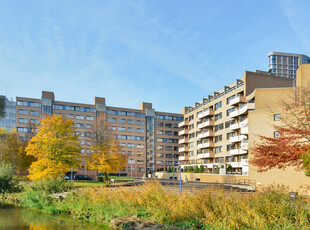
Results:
[55, 147]
[106, 156]
[292, 147]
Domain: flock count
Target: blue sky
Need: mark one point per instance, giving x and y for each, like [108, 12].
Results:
[171, 53]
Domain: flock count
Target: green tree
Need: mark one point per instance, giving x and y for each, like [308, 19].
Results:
[56, 148]
[196, 169]
[6, 178]
[229, 168]
[201, 169]
[190, 168]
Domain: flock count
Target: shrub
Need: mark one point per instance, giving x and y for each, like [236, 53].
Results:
[201, 169]
[229, 169]
[190, 169]
[50, 186]
[186, 169]
[6, 178]
[196, 169]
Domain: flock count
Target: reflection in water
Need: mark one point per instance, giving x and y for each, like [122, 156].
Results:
[19, 219]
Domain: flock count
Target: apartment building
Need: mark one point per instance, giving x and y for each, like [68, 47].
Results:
[215, 130]
[286, 64]
[9, 120]
[149, 138]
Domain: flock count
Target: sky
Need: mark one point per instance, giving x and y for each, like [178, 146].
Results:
[171, 53]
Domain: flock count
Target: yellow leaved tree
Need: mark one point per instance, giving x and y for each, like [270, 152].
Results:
[106, 155]
[55, 147]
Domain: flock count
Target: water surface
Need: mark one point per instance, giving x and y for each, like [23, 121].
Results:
[12, 218]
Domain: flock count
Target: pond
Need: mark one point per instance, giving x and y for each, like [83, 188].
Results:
[12, 218]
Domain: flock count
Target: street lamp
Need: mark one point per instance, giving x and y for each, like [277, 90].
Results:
[179, 164]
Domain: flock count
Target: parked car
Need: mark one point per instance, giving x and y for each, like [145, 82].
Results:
[69, 174]
[82, 177]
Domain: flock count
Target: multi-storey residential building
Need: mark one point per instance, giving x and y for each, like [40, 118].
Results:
[9, 121]
[286, 64]
[149, 138]
[223, 128]
[215, 129]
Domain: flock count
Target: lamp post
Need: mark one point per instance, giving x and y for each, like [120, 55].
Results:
[179, 164]
[173, 167]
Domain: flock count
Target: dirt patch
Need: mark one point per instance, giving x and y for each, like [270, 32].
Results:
[136, 223]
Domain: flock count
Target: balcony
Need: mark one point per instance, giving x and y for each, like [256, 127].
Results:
[183, 149]
[244, 123]
[205, 155]
[246, 108]
[244, 145]
[234, 164]
[183, 123]
[183, 158]
[182, 141]
[237, 152]
[236, 100]
[205, 134]
[237, 138]
[183, 132]
[234, 126]
[244, 130]
[206, 113]
[234, 113]
[205, 124]
[244, 162]
[206, 145]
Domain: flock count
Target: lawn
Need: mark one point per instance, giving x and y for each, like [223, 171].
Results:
[98, 183]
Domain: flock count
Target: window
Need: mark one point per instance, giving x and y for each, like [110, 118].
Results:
[229, 135]
[160, 132]
[277, 116]
[121, 121]
[131, 130]
[131, 122]
[23, 112]
[218, 138]
[159, 124]
[70, 116]
[218, 149]
[218, 105]
[219, 127]
[168, 125]
[122, 129]
[160, 147]
[130, 153]
[79, 125]
[131, 145]
[228, 123]
[34, 121]
[79, 117]
[228, 111]
[168, 155]
[23, 130]
[218, 116]
[140, 154]
[23, 120]
[82, 151]
[90, 118]
[112, 120]
[140, 122]
[89, 126]
[140, 146]
[168, 133]
[229, 99]
[34, 113]
[169, 148]
[175, 126]
[140, 162]
[277, 134]
[139, 130]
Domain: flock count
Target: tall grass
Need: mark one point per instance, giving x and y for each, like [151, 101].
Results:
[203, 209]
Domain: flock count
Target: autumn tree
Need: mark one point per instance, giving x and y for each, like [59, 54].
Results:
[105, 156]
[55, 147]
[291, 147]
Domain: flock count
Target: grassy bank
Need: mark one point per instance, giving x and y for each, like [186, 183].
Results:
[210, 209]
